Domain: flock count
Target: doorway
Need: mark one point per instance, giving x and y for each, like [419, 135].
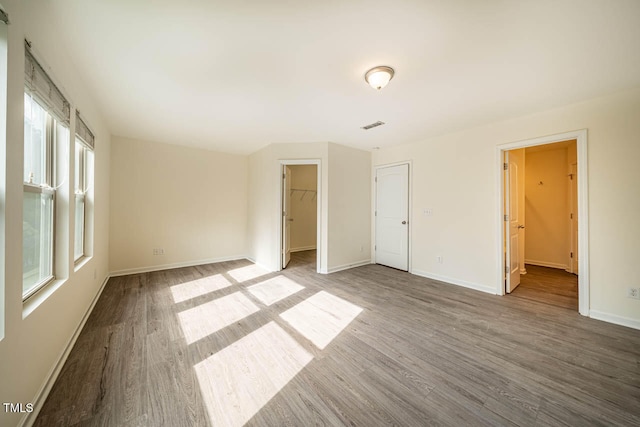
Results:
[564, 235]
[538, 193]
[392, 216]
[300, 212]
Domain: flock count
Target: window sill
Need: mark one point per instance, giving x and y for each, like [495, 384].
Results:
[80, 262]
[35, 300]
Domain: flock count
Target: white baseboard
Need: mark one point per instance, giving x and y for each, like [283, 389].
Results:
[175, 265]
[347, 266]
[614, 318]
[51, 377]
[303, 248]
[458, 282]
[546, 264]
[269, 269]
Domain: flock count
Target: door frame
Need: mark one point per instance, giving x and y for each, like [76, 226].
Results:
[583, 208]
[287, 175]
[302, 162]
[374, 202]
[573, 266]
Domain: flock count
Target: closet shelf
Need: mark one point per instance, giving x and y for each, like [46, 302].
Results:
[304, 193]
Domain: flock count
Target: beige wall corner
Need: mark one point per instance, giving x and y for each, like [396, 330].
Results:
[349, 207]
[173, 205]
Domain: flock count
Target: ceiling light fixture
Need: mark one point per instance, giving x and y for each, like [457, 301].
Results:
[378, 77]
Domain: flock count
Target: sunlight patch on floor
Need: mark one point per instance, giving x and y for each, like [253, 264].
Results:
[205, 319]
[274, 290]
[241, 378]
[249, 272]
[321, 317]
[196, 288]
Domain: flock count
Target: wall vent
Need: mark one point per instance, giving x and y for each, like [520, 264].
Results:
[372, 125]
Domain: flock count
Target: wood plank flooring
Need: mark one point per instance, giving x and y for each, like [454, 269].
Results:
[549, 286]
[418, 352]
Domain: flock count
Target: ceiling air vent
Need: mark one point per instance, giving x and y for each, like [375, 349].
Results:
[373, 125]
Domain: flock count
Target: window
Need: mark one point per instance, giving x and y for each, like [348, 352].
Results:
[80, 162]
[83, 151]
[46, 118]
[38, 202]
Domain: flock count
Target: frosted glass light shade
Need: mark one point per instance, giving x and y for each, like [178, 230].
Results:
[378, 77]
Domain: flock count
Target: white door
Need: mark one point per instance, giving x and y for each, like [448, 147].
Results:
[514, 220]
[286, 219]
[392, 216]
[574, 218]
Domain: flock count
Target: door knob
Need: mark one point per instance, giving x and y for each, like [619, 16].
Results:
[404, 222]
[521, 226]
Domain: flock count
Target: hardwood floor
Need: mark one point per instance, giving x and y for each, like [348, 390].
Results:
[548, 286]
[226, 344]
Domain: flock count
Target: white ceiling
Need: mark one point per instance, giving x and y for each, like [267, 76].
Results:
[238, 75]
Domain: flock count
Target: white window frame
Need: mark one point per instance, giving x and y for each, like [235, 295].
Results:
[80, 194]
[47, 189]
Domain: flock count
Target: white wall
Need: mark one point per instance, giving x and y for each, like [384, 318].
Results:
[304, 207]
[455, 176]
[36, 334]
[349, 207]
[191, 203]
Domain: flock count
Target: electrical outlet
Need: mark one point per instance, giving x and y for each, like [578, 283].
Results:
[633, 293]
[439, 258]
[427, 212]
[158, 251]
